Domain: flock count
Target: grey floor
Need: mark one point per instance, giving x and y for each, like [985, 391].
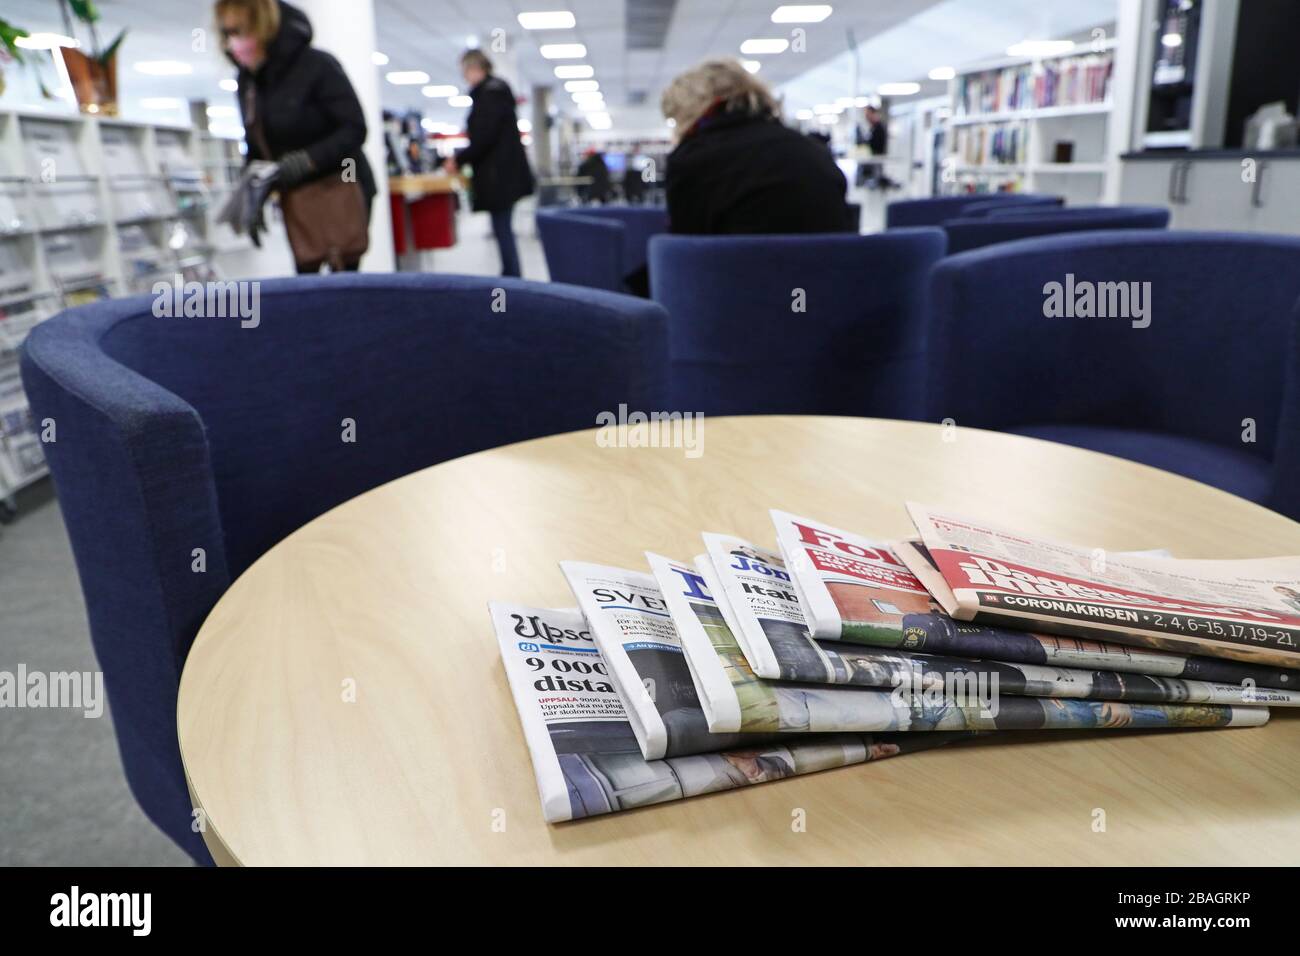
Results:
[63, 798]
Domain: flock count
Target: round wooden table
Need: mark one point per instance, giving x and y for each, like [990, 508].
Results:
[345, 702]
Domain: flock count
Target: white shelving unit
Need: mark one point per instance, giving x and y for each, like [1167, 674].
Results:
[92, 207]
[999, 136]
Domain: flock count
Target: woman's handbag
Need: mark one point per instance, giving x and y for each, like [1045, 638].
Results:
[326, 219]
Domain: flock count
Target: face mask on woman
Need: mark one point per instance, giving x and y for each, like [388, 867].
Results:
[244, 50]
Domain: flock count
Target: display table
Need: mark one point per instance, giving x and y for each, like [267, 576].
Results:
[424, 213]
[345, 702]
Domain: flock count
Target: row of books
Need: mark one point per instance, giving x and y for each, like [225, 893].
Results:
[1071, 81]
[748, 664]
[1003, 144]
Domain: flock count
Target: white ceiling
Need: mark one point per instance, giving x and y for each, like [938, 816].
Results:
[897, 40]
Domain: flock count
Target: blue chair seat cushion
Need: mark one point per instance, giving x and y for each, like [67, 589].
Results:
[1237, 471]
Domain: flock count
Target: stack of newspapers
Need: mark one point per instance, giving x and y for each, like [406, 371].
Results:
[746, 665]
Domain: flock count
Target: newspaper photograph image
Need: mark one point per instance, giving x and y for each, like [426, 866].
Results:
[1246, 609]
[585, 755]
[850, 588]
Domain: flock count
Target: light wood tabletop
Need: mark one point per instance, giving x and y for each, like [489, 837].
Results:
[345, 701]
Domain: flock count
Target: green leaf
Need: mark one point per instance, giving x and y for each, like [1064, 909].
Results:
[112, 47]
[84, 10]
[8, 34]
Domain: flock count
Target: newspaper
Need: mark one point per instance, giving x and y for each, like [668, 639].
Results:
[585, 754]
[950, 695]
[851, 588]
[1245, 610]
[854, 589]
[727, 686]
[635, 635]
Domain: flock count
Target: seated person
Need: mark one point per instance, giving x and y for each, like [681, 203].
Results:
[736, 168]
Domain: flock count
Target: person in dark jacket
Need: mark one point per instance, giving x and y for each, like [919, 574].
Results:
[737, 169]
[495, 154]
[311, 121]
[593, 167]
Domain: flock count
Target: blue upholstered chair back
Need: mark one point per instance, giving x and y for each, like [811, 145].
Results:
[1020, 201]
[740, 344]
[937, 209]
[1218, 350]
[597, 247]
[175, 434]
[1016, 210]
[967, 234]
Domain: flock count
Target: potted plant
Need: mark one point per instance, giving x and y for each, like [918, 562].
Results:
[93, 74]
[10, 52]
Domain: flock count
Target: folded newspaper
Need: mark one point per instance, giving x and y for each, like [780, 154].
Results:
[854, 589]
[926, 693]
[1246, 610]
[635, 635]
[585, 755]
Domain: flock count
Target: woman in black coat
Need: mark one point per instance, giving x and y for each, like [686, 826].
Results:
[310, 120]
[495, 153]
[737, 169]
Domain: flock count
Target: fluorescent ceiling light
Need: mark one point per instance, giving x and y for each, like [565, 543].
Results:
[824, 108]
[861, 102]
[595, 106]
[756, 47]
[574, 71]
[582, 86]
[460, 102]
[45, 41]
[1172, 39]
[801, 13]
[588, 96]
[563, 51]
[942, 73]
[407, 77]
[164, 68]
[379, 59]
[600, 120]
[219, 112]
[844, 102]
[753, 66]
[898, 89]
[548, 20]
[162, 103]
[1033, 48]
[525, 126]
[229, 85]
[804, 114]
[439, 92]
[828, 119]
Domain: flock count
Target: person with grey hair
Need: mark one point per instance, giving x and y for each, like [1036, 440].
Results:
[737, 169]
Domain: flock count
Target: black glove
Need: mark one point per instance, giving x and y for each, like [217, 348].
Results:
[262, 178]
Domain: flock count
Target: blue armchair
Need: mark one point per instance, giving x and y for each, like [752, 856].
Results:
[1209, 389]
[811, 324]
[1028, 202]
[967, 234]
[178, 434]
[937, 209]
[598, 247]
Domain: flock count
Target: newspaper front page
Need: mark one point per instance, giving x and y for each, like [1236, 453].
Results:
[1245, 610]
